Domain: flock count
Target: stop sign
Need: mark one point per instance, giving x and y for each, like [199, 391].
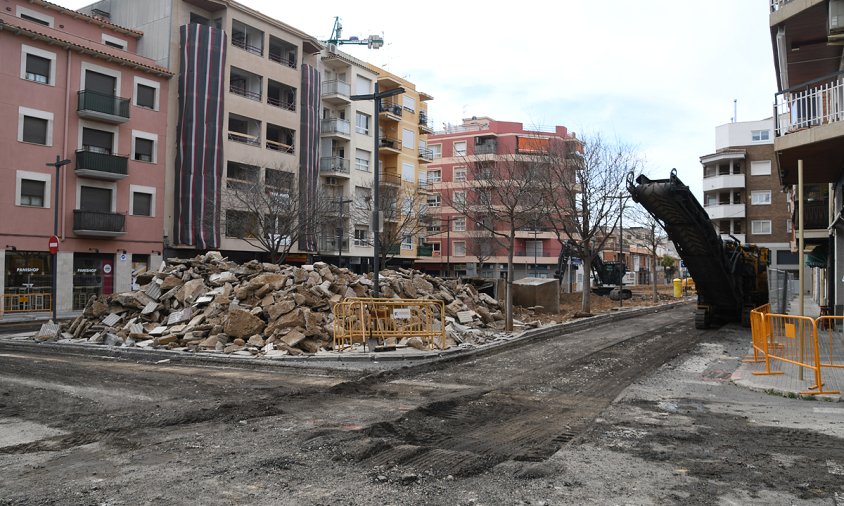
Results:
[53, 244]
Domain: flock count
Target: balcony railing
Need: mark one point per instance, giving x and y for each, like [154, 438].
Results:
[243, 92]
[239, 40]
[817, 214]
[244, 138]
[101, 165]
[280, 146]
[289, 106]
[328, 244]
[426, 154]
[390, 107]
[819, 102]
[334, 165]
[424, 251]
[778, 4]
[336, 87]
[389, 179]
[103, 107]
[486, 148]
[336, 126]
[278, 58]
[98, 223]
[389, 143]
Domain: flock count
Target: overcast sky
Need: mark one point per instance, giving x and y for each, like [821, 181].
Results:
[657, 74]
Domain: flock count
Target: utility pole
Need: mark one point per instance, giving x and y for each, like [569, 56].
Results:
[55, 261]
[376, 201]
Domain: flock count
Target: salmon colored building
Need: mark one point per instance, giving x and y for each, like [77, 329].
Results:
[75, 90]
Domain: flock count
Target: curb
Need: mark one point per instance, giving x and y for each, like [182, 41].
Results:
[741, 379]
[340, 362]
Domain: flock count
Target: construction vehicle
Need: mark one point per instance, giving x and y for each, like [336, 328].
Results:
[730, 277]
[608, 277]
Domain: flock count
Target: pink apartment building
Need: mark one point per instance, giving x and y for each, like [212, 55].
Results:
[74, 89]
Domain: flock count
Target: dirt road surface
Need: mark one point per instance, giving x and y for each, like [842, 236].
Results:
[637, 412]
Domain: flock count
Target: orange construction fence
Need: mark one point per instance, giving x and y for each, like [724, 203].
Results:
[779, 338]
[358, 319]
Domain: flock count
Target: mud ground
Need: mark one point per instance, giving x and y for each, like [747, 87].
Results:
[635, 413]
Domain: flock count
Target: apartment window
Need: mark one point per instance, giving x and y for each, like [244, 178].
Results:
[93, 198]
[460, 148]
[760, 168]
[32, 192]
[789, 226]
[362, 123]
[145, 96]
[406, 242]
[241, 176]
[35, 130]
[278, 179]
[409, 103]
[363, 86]
[435, 176]
[459, 224]
[363, 196]
[434, 200]
[436, 151]
[760, 197]
[142, 201]
[97, 141]
[408, 139]
[737, 227]
[143, 146]
[760, 135]
[99, 82]
[239, 224]
[435, 248]
[361, 236]
[460, 175]
[362, 160]
[38, 69]
[408, 171]
[459, 248]
[459, 198]
[110, 41]
[533, 248]
[34, 16]
[760, 227]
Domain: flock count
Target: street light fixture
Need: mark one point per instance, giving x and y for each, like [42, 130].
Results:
[376, 96]
[58, 164]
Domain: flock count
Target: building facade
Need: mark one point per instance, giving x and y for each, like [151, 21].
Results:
[459, 248]
[742, 193]
[76, 91]
[807, 39]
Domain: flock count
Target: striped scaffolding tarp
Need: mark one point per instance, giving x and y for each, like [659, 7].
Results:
[309, 154]
[199, 139]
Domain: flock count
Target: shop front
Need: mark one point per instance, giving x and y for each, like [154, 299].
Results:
[93, 274]
[28, 281]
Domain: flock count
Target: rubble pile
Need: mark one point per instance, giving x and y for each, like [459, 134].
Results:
[209, 303]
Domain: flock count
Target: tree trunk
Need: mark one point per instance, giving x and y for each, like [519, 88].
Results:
[586, 305]
[508, 292]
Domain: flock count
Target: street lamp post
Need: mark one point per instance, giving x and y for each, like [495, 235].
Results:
[342, 233]
[55, 263]
[376, 96]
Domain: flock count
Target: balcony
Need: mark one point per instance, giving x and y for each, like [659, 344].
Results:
[248, 38]
[488, 147]
[426, 155]
[101, 165]
[328, 244]
[816, 217]
[244, 138]
[334, 166]
[424, 250]
[336, 127]
[98, 224]
[389, 179]
[282, 52]
[389, 144]
[390, 110]
[722, 182]
[336, 92]
[281, 95]
[425, 126]
[102, 107]
[725, 211]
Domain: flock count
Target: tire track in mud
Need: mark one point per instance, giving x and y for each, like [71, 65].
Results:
[524, 418]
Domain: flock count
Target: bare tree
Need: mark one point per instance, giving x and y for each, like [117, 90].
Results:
[504, 198]
[265, 212]
[404, 212]
[481, 244]
[583, 199]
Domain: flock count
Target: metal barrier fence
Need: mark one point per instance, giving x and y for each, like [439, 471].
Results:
[26, 302]
[791, 339]
[362, 319]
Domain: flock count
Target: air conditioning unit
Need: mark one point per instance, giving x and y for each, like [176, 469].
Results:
[836, 16]
[332, 48]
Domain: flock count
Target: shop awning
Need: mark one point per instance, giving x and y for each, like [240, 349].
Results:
[817, 257]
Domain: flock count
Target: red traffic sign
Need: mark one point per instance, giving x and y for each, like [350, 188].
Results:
[53, 244]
